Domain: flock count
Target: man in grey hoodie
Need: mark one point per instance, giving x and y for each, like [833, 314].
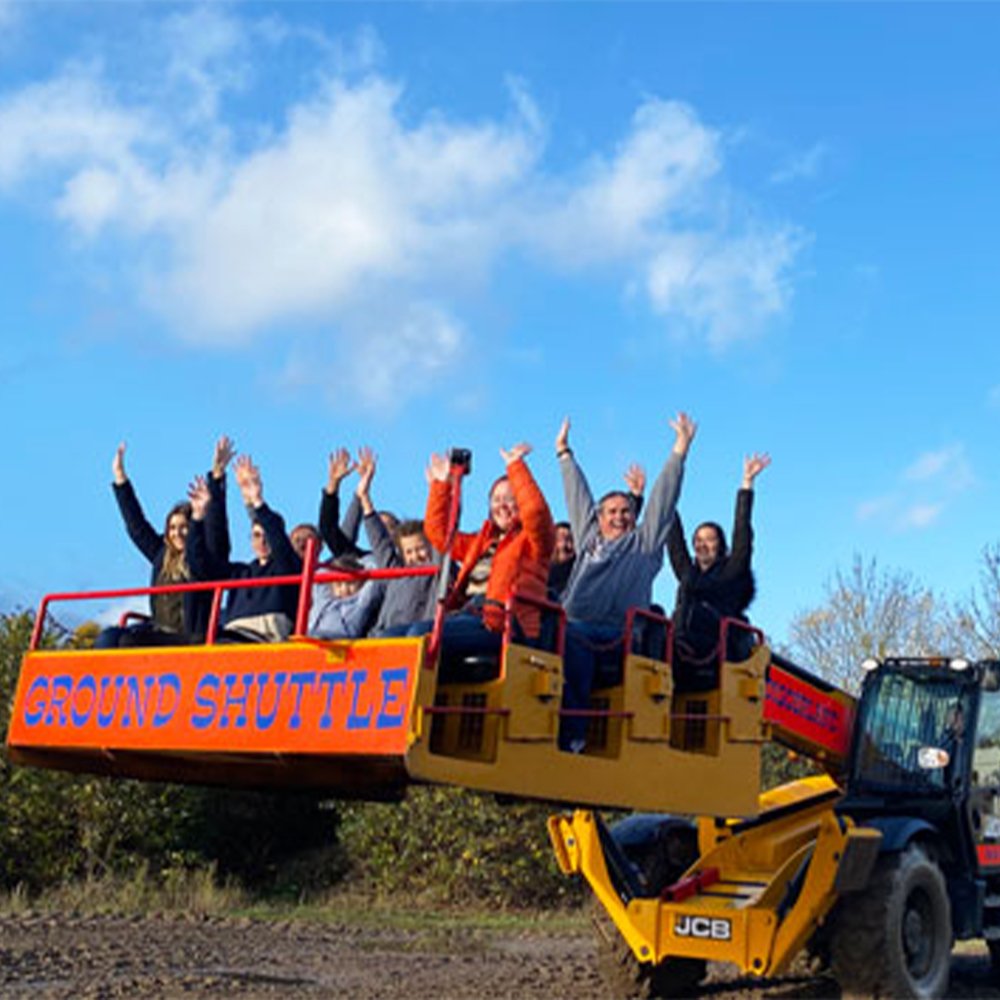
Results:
[617, 561]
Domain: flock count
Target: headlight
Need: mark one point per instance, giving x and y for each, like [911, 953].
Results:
[869, 664]
[958, 663]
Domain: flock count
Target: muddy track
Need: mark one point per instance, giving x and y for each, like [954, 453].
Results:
[92, 958]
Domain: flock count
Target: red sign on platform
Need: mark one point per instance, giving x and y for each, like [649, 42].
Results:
[295, 697]
[819, 716]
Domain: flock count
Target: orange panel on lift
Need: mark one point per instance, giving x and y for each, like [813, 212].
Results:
[299, 697]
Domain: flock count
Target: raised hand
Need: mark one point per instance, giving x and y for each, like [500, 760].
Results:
[438, 468]
[248, 479]
[340, 467]
[200, 497]
[635, 479]
[365, 465]
[118, 465]
[753, 466]
[562, 438]
[684, 429]
[518, 451]
[225, 450]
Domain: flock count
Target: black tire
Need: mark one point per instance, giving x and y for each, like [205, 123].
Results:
[994, 947]
[662, 862]
[893, 939]
[629, 979]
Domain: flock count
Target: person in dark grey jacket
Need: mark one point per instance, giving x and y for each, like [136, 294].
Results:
[616, 563]
[406, 599]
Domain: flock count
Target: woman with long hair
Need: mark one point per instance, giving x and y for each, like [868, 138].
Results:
[176, 618]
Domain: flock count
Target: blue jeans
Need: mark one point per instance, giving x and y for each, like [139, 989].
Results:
[463, 635]
[584, 642]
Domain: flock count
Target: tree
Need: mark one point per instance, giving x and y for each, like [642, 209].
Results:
[868, 611]
[976, 621]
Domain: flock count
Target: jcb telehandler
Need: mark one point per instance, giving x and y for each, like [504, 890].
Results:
[887, 858]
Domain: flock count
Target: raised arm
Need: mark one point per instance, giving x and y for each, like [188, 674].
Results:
[680, 555]
[386, 553]
[339, 467]
[144, 536]
[662, 503]
[202, 562]
[217, 516]
[286, 559]
[635, 480]
[579, 500]
[742, 544]
[533, 509]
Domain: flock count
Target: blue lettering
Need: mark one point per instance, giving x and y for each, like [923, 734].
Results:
[300, 680]
[237, 701]
[133, 703]
[388, 719]
[204, 701]
[62, 688]
[331, 679]
[39, 686]
[168, 682]
[266, 721]
[105, 718]
[355, 721]
[79, 717]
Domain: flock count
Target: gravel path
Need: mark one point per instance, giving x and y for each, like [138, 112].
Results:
[93, 958]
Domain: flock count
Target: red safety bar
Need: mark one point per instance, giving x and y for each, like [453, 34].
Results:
[456, 472]
[218, 587]
[545, 606]
[128, 616]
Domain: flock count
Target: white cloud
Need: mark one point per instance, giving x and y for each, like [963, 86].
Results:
[802, 166]
[948, 466]
[932, 481]
[350, 201]
[725, 288]
[920, 515]
[68, 123]
[868, 509]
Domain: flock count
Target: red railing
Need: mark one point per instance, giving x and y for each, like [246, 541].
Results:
[304, 580]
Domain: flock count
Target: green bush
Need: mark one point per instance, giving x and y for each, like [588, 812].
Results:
[457, 846]
[55, 826]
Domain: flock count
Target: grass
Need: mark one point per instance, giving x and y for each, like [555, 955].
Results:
[198, 892]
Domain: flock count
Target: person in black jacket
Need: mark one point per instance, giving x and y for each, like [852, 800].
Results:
[175, 618]
[256, 614]
[718, 581]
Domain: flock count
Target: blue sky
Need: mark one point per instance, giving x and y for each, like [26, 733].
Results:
[415, 225]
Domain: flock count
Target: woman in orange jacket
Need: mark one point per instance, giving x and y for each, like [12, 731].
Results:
[510, 552]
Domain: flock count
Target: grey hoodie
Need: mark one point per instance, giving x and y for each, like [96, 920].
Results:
[610, 577]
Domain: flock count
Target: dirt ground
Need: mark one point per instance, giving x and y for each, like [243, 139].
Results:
[91, 958]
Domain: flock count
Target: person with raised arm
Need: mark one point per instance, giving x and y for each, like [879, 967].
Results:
[175, 618]
[406, 599]
[346, 609]
[564, 552]
[717, 581]
[616, 563]
[510, 552]
[257, 614]
[341, 536]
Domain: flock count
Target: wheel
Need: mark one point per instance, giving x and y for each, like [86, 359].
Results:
[994, 947]
[662, 862]
[893, 939]
[627, 978]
